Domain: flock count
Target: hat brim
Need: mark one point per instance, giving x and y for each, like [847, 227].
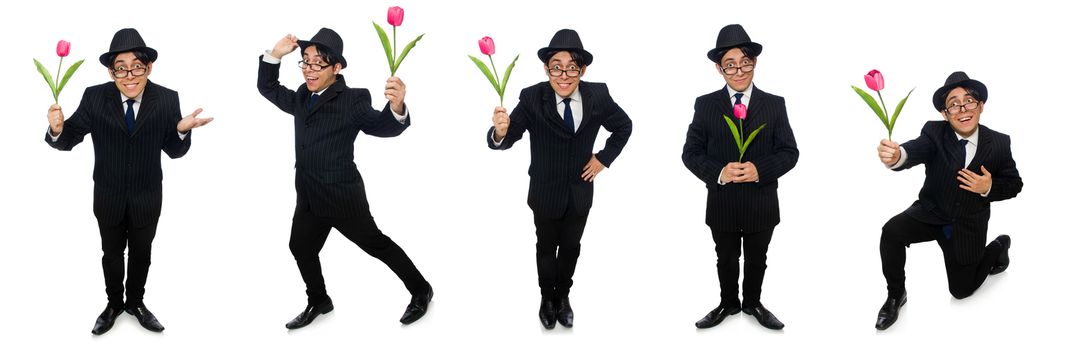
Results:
[942, 92]
[547, 52]
[148, 52]
[305, 43]
[756, 49]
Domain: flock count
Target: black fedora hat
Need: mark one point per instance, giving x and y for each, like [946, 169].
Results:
[955, 80]
[564, 40]
[326, 38]
[125, 40]
[731, 36]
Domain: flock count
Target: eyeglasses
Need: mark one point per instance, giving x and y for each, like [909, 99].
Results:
[572, 73]
[315, 67]
[956, 108]
[122, 71]
[747, 68]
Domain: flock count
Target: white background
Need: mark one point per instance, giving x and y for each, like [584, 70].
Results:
[222, 273]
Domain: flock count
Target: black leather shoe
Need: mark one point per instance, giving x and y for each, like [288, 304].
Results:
[306, 317]
[1002, 260]
[418, 306]
[765, 317]
[890, 311]
[106, 320]
[145, 317]
[565, 313]
[547, 314]
[714, 317]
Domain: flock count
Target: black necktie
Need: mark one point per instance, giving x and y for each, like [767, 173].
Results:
[738, 96]
[569, 116]
[130, 116]
[963, 151]
[312, 102]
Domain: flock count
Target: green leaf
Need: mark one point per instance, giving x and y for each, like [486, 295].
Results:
[873, 105]
[405, 51]
[67, 76]
[486, 72]
[505, 78]
[751, 137]
[48, 78]
[736, 133]
[892, 122]
[386, 45]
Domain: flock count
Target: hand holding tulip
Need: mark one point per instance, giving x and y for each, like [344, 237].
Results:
[736, 172]
[889, 152]
[395, 93]
[980, 184]
[55, 119]
[285, 46]
[501, 122]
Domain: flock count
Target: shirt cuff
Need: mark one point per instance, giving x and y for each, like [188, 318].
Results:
[720, 182]
[497, 143]
[54, 138]
[268, 58]
[400, 117]
[903, 159]
[182, 135]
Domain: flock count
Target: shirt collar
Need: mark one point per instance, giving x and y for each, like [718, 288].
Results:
[575, 96]
[747, 92]
[973, 139]
[137, 99]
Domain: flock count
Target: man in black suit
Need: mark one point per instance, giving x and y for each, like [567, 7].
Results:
[968, 166]
[132, 119]
[563, 117]
[330, 193]
[741, 194]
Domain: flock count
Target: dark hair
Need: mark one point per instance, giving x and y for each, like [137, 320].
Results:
[139, 54]
[326, 54]
[576, 56]
[970, 92]
[748, 52]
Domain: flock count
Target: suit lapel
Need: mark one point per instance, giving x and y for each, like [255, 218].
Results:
[951, 143]
[587, 99]
[983, 150]
[756, 107]
[113, 108]
[327, 95]
[550, 112]
[148, 107]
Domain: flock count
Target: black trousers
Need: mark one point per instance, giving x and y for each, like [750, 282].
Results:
[309, 233]
[114, 240]
[557, 250]
[728, 246]
[903, 230]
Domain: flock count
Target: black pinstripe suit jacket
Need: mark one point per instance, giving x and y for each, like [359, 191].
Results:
[327, 181]
[942, 202]
[558, 156]
[735, 207]
[126, 170]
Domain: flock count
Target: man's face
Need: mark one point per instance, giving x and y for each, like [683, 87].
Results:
[963, 111]
[130, 74]
[737, 69]
[568, 73]
[318, 74]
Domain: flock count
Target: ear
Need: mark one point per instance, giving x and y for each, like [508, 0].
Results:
[582, 71]
[148, 69]
[338, 67]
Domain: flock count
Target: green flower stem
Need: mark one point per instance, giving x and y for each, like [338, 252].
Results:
[886, 113]
[741, 159]
[394, 30]
[501, 99]
[58, 69]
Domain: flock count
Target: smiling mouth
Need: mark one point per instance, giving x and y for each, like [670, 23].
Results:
[131, 86]
[964, 119]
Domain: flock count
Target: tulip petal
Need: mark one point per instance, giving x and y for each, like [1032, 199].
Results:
[405, 51]
[48, 78]
[386, 46]
[487, 73]
[873, 105]
[67, 76]
[892, 122]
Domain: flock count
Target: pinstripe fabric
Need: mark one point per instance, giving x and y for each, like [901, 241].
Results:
[327, 181]
[558, 157]
[126, 170]
[942, 202]
[734, 207]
